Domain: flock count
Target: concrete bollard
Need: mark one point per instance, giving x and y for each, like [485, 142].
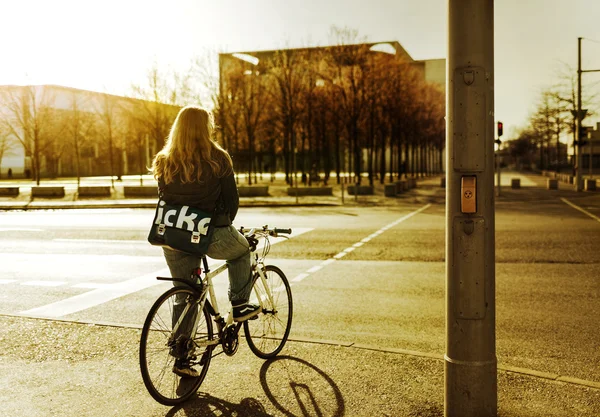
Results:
[48, 192]
[362, 190]
[515, 183]
[307, 191]
[253, 190]
[390, 190]
[94, 191]
[9, 191]
[590, 185]
[401, 186]
[552, 184]
[140, 191]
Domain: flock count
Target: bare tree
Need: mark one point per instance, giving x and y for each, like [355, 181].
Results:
[136, 138]
[110, 112]
[286, 70]
[6, 144]
[252, 101]
[547, 122]
[30, 117]
[349, 62]
[159, 104]
[565, 95]
[80, 125]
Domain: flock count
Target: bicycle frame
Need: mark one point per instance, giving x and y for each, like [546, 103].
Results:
[209, 292]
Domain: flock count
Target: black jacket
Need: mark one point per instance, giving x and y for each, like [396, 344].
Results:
[204, 194]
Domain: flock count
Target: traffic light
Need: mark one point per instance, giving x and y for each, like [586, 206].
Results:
[583, 135]
[500, 126]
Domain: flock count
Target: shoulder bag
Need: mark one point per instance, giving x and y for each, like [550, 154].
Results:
[180, 227]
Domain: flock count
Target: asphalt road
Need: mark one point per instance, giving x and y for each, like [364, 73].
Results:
[362, 276]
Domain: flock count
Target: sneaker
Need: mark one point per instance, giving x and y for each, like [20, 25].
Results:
[245, 311]
[184, 370]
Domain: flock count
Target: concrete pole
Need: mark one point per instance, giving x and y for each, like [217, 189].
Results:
[470, 359]
[591, 156]
[578, 165]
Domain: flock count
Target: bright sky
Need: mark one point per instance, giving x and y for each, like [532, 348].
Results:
[108, 45]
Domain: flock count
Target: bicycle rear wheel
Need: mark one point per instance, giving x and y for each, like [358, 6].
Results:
[267, 334]
[161, 346]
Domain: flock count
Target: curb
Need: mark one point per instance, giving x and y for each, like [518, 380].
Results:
[142, 205]
[359, 346]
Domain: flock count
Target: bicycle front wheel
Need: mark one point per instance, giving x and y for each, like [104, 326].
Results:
[267, 334]
[168, 338]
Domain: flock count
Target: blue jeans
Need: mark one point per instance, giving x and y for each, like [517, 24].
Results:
[227, 244]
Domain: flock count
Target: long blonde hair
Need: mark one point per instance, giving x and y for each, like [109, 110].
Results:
[189, 143]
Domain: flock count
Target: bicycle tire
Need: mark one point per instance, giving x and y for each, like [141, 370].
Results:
[157, 348]
[266, 335]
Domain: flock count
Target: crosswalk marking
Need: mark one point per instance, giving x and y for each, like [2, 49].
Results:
[102, 241]
[44, 283]
[96, 297]
[92, 285]
[104, 292]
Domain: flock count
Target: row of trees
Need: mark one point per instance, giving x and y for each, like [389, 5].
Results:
[347, 108]
[543, 143]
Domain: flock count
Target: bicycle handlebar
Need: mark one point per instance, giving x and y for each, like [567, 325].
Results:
[265, 229]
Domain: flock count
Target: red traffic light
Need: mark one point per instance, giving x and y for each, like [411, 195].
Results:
[500, 128]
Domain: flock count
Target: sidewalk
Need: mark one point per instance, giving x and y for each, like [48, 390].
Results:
[277, 197]
[78, 369]
[532, 183]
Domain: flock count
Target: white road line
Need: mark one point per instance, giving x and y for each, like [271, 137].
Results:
[346, 251]
[44, 283]
[145, 242]
[96, 297]
[93, 285]
[19, 229]
[576, 207]
[300, 277]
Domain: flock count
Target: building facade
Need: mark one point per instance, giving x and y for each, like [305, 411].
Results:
[66, 132]
[590, 152]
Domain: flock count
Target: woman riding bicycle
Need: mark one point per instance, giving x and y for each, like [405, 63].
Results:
[194, 170]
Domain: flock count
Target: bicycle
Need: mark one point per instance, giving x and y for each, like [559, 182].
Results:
[179, 325]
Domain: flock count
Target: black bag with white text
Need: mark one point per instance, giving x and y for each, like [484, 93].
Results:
[184, 228]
